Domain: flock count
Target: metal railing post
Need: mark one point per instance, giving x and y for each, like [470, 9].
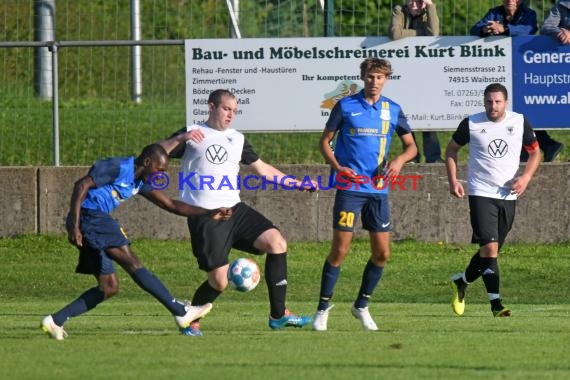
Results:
[55, 102]
[44, 30]
[329, 18]
[136, 75]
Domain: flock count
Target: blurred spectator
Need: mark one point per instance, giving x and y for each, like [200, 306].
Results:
[514, 18]
[557, 23]
[418, 18]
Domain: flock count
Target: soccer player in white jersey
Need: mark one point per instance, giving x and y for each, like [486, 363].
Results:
[495, 139]
[364, 125]
[210, 163]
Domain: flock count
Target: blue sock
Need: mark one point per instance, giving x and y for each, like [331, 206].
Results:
[328, 282]
[82, 304]
[370, 278]
[151, 284]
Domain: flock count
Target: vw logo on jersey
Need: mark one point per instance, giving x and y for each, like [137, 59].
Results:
[216, 154]
[498, 148]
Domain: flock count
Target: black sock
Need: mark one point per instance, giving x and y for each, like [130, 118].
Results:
[473, 270]
[205, 294]
[276, 280]
[491, 278]
[496, 304]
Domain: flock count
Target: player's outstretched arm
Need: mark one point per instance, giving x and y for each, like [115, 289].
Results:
[171, 143]
[174, 206]
[177, 207]
[273, 174]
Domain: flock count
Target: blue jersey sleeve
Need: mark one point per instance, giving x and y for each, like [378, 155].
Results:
[105, 172]
[403, 125]
[335, 119]
[145, 189]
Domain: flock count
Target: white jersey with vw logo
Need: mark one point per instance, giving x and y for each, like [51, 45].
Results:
[494, 152]
[210, 169]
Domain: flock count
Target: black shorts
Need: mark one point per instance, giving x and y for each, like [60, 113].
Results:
[212, 239]
[491, 219]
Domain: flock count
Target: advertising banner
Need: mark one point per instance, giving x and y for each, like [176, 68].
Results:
[291, 84]
[541, 81]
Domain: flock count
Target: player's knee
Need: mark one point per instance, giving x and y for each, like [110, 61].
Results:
[132, 267]
[277, 244]
[130, 263]
[336, 257]
[271, 241]
[380, 258]
[109, 285]
[219, 284]
[218, 278]
[110, 290]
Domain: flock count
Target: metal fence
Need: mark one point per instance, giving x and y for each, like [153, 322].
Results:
[94, 107]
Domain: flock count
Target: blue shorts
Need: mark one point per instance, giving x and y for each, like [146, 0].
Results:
[374, 207]
[100, 231]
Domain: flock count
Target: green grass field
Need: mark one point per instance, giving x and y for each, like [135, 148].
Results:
[132, 336]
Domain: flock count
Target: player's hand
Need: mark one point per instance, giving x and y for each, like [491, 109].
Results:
[456, 189]
[393, 168]
[75, 237]
[519, 185]
[195, 135]
[304, 186]
[428, 2]
[348, 173]
[223, 213]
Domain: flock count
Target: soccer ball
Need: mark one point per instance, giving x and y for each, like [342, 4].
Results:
[243, 274]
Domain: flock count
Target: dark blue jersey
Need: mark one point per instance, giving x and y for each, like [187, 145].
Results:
[364, 133]
[115, 181]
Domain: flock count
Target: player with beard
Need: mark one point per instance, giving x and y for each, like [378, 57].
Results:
[495, 139]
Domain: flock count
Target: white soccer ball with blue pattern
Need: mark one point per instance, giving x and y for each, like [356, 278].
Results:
[243, 274]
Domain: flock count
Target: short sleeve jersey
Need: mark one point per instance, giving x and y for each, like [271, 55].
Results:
[115, 182]
[494, 152]
[210, 169]
[364, 133]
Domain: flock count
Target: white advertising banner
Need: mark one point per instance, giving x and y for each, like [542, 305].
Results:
[291, 84]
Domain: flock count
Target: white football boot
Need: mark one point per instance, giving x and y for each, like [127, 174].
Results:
[321, 319]
[364, 316]
[53, 330]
